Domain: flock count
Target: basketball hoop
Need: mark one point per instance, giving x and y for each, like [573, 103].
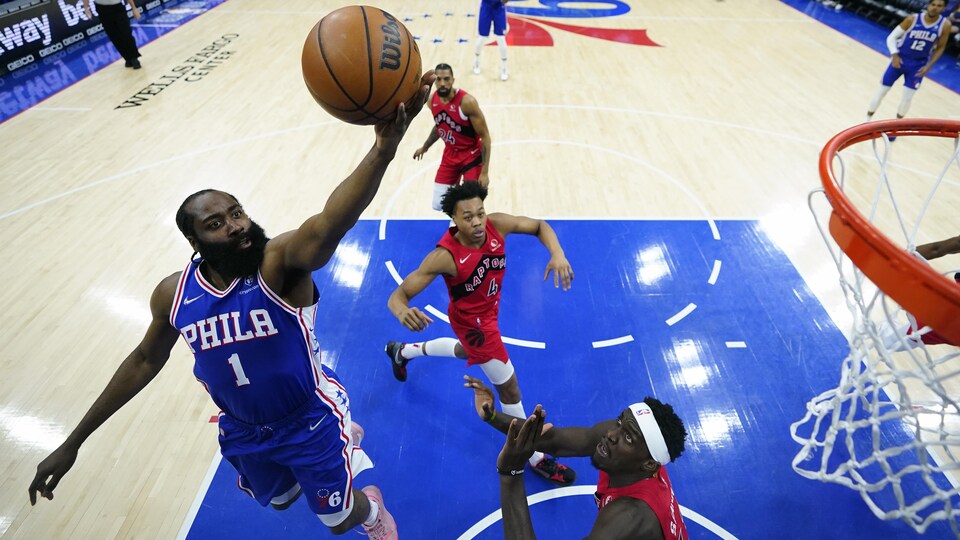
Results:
[891, 428]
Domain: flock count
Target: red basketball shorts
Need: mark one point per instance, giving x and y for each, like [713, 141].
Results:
[479, 335]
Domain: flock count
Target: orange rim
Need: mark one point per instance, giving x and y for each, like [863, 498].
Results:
[931, 297]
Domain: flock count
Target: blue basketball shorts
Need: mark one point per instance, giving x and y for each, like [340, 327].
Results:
[909, 69]
[492, 13]
[311, 447]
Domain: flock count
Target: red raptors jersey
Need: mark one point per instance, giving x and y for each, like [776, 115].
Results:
[453, 127]
[657, 492]
[476, 287]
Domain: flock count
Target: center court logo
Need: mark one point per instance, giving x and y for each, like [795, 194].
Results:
[527, 28]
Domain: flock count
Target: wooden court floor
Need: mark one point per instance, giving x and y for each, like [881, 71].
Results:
[724, 119]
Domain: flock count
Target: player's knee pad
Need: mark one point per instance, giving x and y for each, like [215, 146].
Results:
[438, 191]
[497, 372]
[905, 101]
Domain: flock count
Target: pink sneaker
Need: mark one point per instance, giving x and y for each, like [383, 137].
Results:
[385, 527]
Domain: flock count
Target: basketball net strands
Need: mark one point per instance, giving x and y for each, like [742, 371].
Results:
[891, 428]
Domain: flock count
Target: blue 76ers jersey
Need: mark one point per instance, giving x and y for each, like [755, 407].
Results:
[919, 41]
[255, 354]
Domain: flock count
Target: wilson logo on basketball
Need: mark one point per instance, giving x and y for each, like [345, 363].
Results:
[390, 50]
[475, 338]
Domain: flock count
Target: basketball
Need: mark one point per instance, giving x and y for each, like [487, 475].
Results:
[360, 63]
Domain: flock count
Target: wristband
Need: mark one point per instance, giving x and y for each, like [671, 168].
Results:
[511, 472]
[492, 416]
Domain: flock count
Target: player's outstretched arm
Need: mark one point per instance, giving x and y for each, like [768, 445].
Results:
[558, 264]
[311, 246]
[934, 250]
[136, 371]
[439, 261]
[556, 441]
[431, 138]
[521, 441]
[471, 107]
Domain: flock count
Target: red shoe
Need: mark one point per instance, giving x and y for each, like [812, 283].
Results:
[554, 471]
[385, 528]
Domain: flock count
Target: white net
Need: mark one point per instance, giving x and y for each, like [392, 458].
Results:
[891, 428]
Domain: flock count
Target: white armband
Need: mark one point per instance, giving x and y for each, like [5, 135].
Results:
[892, 40]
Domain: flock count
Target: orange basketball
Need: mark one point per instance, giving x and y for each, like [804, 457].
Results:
[360, 63]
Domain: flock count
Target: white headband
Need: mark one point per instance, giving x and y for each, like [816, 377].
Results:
[651, 432]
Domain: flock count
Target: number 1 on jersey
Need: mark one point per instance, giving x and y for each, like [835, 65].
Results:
[241, 377]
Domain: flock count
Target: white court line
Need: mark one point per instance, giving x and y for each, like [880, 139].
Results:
[683, 313]
[611, 342]
[162, 162]
[767, 133]
[441, 315]
[524, 343]
[571, 491]
[736, 344]
[715, 273]
[393, 272]
[198, 500]
[155, 25]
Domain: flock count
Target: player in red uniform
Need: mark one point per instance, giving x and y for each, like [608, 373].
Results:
[634, 495]
[459, 122]
[471, 258]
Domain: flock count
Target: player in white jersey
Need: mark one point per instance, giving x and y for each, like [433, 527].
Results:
[915, 45]
[245, 302]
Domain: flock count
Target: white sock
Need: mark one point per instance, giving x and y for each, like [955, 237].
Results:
[905, 102]
[502, 45]
[374, 513]
[516, 409]
[444, 346]
[478, 46]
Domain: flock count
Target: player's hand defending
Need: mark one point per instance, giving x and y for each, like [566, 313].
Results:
[482, 397]
[562, 272]
[521, 441]
[414, 319]
[418, 154]
[54, 467]
[390, 133]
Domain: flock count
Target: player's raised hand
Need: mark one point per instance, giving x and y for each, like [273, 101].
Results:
[50, 471]
[562, 272]
[390, 133]
[482, 397]
[521, 442]
[414, 319]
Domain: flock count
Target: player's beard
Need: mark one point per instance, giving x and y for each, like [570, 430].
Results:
[229, 260]
[444, 92]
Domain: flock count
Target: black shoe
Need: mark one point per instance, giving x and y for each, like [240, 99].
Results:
[554, 471]
[135, 64]
[128, 64]
[398, 362]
